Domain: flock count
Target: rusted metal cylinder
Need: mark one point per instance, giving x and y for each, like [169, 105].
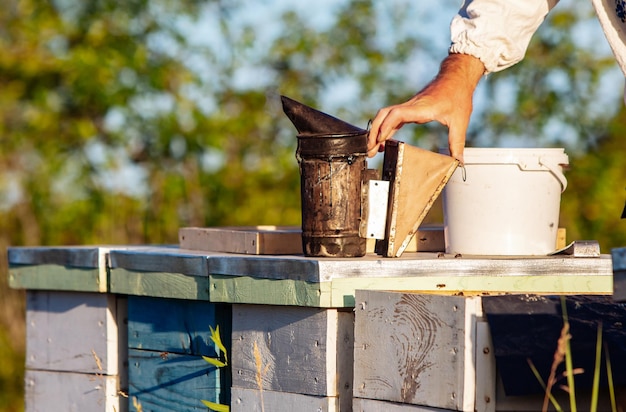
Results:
[332, 168]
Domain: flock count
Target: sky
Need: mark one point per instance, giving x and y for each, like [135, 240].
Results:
[428, 19]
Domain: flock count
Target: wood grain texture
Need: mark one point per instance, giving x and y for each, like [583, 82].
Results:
[371, 405]
[159, 284]
[251, 400]
[297, 350]
[415, 349]
[79, 268]
[164, 382]
[161, 259]
[255, 240]
[71, 256]
[55, 277]
[343, 290]
[619, 274]
[73, 392]
[176, 326]
[75, 332]
[245, 289]
[416, 177]
[485, 369]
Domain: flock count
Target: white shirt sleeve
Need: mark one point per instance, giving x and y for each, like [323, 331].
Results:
[497, 31]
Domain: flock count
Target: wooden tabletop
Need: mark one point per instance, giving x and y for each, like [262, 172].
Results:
[172, 272]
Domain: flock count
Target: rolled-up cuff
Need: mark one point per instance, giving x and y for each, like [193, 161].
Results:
[497, 32]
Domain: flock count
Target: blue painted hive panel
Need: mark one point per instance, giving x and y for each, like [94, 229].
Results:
[167, 339]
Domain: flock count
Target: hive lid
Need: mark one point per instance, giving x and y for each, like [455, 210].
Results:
[311, 122]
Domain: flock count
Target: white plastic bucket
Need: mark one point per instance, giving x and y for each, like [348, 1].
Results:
[505, 202]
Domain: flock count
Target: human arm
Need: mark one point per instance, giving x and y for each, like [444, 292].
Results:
[487, 35]
[447, 99]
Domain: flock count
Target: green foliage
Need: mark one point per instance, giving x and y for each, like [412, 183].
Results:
[593, 203]
[11, 374]
[121, 122]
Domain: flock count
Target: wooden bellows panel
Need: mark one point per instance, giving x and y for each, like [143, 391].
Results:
[417, 177]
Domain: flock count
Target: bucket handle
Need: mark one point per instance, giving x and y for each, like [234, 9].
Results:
[556, 171]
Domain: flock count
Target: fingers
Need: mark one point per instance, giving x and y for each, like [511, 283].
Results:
[386, 123]
[375, 141]
[456, 139]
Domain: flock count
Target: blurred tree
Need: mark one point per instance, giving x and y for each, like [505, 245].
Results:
[119, 125]
[593, 204]
[122, 121]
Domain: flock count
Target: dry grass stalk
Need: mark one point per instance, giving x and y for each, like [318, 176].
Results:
[259, 373]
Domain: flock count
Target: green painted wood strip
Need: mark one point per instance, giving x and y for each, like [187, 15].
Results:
[55, 277]
[164, 382]
[159, 284]
[245, 289]
[343, 289]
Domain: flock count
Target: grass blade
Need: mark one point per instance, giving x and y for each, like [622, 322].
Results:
[609, 376]
[568, 360]
[596, 370]
[553, 400]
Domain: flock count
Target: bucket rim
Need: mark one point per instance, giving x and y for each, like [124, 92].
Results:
[516, 156]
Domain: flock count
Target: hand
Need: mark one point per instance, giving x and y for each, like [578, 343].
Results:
[447, 100]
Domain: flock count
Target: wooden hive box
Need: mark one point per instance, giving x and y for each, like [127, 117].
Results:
[166, 341]
[619, 274]
[77, 268]
[76, 337]
[75, 351]
[291, 358]
[426, 352]
[420, 350]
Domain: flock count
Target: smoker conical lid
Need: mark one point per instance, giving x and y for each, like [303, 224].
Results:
[312, 122]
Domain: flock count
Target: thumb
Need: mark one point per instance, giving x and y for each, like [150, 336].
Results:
[456, 141]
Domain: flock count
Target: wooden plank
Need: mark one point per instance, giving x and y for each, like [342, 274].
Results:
[343, 290]
[164, 382]
[71, 391]
[417, 177]
[161, 260]
[75, 332]
[339, 293]
[269, 267]
[371, 405]
[166, 272]
[58, 268]
[176, 326]
[485, 369]
[159, 284]
[255, 240]
[71, 256]
[619, 274]
[415, 349]
[253, 400]
[297, 350]
[429, 238]
[55, 277]
[246, 289]
[433, 264]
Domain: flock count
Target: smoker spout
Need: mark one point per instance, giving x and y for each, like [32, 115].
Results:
[312, 122]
